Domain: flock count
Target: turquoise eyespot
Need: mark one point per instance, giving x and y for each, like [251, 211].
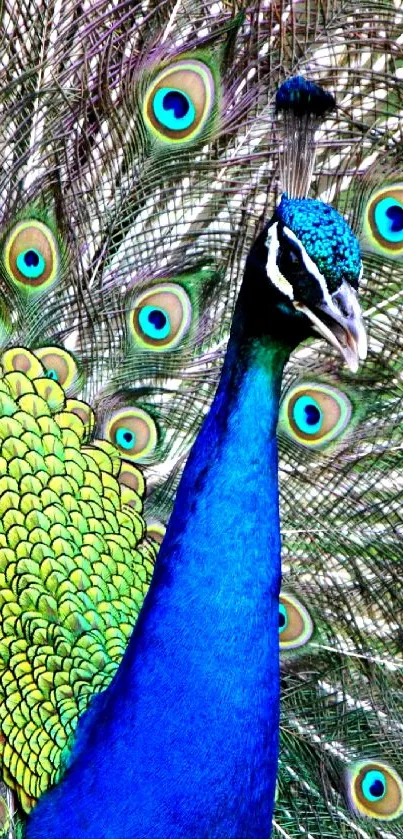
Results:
[161, 317]
[383, 222]
[314, 414]
[295, 624]
[31, 255]
[134, 433]
[30, 263]
[374, 785]
[179, 102]
[125, 438]
[173, 109]
[375, 790]
[307, 415]
[154, 322]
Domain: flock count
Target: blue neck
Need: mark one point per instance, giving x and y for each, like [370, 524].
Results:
[183, 744]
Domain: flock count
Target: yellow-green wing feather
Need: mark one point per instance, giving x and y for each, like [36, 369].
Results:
[75, 564]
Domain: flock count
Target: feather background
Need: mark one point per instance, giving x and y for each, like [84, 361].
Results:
[132, 212]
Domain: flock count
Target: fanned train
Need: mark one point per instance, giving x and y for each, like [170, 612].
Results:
[170, 172]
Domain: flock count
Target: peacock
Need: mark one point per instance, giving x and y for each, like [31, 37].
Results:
[144, 153]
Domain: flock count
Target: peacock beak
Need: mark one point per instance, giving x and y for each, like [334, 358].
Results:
[338, 319]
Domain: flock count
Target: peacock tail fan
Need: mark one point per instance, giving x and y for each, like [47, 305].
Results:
[139, 157]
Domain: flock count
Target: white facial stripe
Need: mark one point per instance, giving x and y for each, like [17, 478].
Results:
[272, 268]
[309, 265]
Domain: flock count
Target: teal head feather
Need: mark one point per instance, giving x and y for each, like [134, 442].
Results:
[326, 237]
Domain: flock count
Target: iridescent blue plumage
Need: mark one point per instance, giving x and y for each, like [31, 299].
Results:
[326, 237]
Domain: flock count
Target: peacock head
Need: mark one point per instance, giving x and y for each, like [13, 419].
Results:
[314, 264]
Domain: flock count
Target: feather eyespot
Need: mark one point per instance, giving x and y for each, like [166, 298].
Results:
[134, 433]
[375, 789]
[31, 255]
[161, 317]
[314, 414]
[384, 220]
[295, 624]
[60, 366]
[179, 102]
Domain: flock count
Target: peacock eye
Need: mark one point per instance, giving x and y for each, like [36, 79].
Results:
[179, 102]
[376, 790]
[314, 414]
[307, 415]
[161, 317]
[294, 624]
[373, 785]
[133, 431]
[31, 255]
[384, 220]
[59, 365]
